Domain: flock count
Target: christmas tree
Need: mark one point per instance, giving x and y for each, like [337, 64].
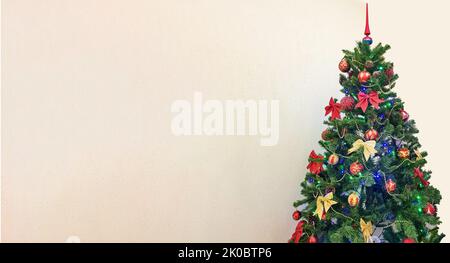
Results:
[370, 184]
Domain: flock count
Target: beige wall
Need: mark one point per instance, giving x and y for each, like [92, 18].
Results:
[87, 86]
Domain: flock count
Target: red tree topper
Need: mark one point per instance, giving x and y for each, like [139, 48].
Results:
[315, 163]
[334, 108]
[364, 100]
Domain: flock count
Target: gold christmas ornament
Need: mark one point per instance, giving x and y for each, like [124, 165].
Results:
[333, 159]
[353, 199]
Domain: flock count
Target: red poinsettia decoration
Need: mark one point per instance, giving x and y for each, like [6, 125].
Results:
[315, 163]
[364, 100]
[298, 232]
[334, 108]
[418, 173]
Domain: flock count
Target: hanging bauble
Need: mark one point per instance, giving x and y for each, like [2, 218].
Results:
[376, 74]
[356, 168]
[403, 153]
[404, 114]
[389, 73]
[363, 76]
[409, 240]
[367, 40]
[312, 239]
[296, 215]
[347, 103]
[326, 135]
[344, 66]
[429, 209]
[368, 64]
[333, 159]
[390, 186]
[353, 199]
[371, 134]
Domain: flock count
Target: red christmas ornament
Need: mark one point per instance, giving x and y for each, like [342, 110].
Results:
[312, 239]
[296, 215]
[403, 153]
[390, 186]
[389, 73]
[315, 165]
[333, 159]
[404, 114]
[363, 76]
[409, 240]
[347, 103]
[364, 100]
[356, 168]
[429, 209]
[298, 232]
[333, 108]
[344, 66]
[371, 134]
[418, 173]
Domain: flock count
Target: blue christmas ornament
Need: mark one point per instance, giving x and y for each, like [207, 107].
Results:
[368, 40]
[310, 180]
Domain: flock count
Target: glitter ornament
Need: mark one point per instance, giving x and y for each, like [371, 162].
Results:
[344, 66]
[356, 168]
[333, 159]
[403, 153]
[353, 199]
[371, 134]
